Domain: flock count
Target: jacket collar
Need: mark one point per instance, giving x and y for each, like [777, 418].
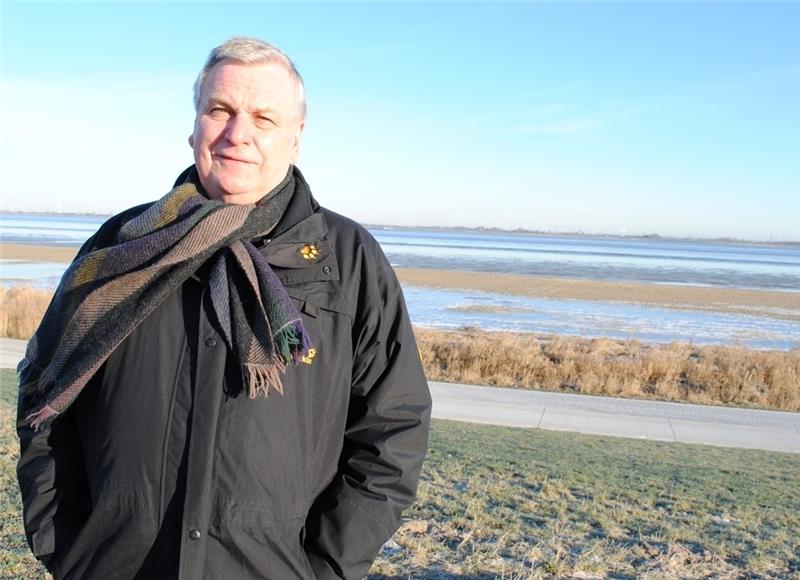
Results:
[301, 206]
[299, 248]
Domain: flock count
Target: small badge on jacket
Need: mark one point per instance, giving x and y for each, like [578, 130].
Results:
[312, 352]
[309, 252]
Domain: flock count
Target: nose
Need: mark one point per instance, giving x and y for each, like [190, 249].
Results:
[239, 129]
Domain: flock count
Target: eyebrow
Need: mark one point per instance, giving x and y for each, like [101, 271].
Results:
[214, 101]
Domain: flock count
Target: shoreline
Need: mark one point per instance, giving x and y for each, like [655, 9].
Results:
[763, 303]
[37, 253]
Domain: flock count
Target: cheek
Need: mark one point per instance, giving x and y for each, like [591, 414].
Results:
[278, 147]
[205, 135]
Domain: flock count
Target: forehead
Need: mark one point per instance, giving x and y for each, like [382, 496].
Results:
[257, 85]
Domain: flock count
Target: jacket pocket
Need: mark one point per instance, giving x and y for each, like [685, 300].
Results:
[256, 542]
[124, 521]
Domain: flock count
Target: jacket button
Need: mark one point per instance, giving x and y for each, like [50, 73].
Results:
[211, 342]
[194, 534]
[327, 269]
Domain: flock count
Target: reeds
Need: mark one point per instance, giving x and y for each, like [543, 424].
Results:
[673, 372]
[21, 309]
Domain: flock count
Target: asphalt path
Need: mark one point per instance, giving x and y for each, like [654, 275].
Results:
[11, 352]
[640, 419]
[655, 420]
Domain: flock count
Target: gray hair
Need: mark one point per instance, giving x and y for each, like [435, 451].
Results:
[248, 50]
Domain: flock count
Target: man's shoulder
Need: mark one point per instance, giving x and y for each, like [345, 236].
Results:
[344, 228]
[358, 253]
[130, 213]
[106, 235]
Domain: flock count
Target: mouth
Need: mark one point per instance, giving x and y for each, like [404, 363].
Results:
[230, 159]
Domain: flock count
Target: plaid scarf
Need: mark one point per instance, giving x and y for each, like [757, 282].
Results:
[106, 293]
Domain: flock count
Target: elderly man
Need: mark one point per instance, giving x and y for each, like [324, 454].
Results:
[149, 446]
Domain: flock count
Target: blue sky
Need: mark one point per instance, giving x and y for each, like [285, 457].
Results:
[670, 118]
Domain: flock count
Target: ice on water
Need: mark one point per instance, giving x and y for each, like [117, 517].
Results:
[452, 309]
[644, 260]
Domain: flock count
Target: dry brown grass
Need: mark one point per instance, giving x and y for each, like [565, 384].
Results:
[673, 372]
[496, 502]
[21, 309]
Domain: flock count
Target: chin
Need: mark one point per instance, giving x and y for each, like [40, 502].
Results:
[234, 187]
[228, 195]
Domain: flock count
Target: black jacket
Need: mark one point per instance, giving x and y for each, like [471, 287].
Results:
[164, 468]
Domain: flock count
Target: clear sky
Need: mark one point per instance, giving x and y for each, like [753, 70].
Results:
[670, 118]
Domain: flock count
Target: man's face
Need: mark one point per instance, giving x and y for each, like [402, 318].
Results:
[247, 130]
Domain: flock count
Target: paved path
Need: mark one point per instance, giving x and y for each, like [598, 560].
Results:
[723, 426]
[11, 352]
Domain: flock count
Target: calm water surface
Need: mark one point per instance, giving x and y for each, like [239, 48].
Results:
[595, 258]
[645, 260]
[49, 230]
[633, 260]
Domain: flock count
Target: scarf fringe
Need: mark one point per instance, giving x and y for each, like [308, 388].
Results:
[42, 418]
[292, 342]
[260, 377]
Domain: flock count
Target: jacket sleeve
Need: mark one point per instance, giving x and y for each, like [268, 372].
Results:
[52, 482]
[50, 470]
[385, 439]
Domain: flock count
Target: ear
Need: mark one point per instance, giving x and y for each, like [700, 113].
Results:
[296, 145]
[191, 140]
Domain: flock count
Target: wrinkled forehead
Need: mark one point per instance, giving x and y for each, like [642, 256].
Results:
[263, 83]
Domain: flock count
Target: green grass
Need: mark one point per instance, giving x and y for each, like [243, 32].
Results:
[521, 503]
[15, 559]
[515, 503]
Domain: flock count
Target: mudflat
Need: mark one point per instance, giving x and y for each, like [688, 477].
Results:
[36, 253]
[783, 305]
[773, 304]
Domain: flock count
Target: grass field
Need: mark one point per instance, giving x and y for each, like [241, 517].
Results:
[497, 502]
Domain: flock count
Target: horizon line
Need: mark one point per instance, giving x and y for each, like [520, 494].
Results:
[510, 230]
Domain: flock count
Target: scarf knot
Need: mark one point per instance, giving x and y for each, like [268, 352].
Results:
[108, 291]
